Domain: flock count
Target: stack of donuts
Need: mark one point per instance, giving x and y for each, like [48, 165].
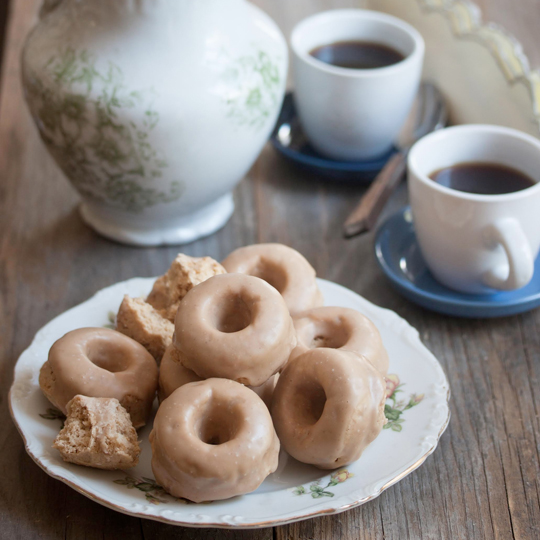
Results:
[248, 359]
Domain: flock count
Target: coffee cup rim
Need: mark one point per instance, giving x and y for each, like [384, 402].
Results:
[413, 165]
[364, 14]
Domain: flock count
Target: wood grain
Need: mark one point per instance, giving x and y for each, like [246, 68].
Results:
[483, 480]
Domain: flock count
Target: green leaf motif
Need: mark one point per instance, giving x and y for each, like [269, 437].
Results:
[252, 82]
[393, 408]
[317, 491]
[391, 413]
[54, 414]
[95, 129]
[153, 492]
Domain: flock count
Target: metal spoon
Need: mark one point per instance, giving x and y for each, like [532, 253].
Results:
[431, 115]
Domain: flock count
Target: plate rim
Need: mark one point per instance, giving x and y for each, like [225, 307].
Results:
[414, 335]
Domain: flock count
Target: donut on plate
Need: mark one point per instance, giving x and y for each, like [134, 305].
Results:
[328, 406]
[173, 375]
[228, 443]
[340, 328]
[235, 327]
[98, 362]
[284, 268]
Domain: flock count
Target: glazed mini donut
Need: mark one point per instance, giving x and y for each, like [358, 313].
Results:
[98, 362]
[235, 327]
[173, 375]
[340, 328]
[284, 268]
[228, 443]
[266, 390]
[328, 406]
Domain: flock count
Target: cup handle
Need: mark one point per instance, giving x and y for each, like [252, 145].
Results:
[509, 234]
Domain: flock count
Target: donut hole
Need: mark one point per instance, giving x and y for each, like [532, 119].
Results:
[232, 314]
[329, 334]
[308, 402]
[108, 356]
[216, 427]
[272, 273]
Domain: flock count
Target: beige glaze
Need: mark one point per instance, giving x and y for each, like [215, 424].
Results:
[213, 440]
[173, 375]
[340, 328]
[328, 406]
[235, 327]
[284, 268]
[98, 362]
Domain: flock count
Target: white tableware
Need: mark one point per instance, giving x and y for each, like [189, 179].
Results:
[481, 68]
[354, 114]
[417, 409]
[476, 243]
[155, 109]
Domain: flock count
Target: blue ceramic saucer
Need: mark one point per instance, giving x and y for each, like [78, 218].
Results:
[399, 257]
[289, 140]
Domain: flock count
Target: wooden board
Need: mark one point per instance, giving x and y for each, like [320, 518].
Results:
[483, 481]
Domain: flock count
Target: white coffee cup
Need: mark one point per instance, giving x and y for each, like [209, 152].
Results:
[476, 243]
[354, 114]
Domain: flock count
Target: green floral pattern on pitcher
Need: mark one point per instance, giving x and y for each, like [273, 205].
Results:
[99, 131]
[253, 83]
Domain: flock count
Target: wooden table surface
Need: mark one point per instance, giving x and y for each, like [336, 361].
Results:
[483, 480]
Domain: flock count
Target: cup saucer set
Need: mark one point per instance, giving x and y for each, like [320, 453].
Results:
[466, 254]
[454, 252]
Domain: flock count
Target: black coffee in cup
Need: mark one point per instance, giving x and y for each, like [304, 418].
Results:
[482, 178]
[357, 54]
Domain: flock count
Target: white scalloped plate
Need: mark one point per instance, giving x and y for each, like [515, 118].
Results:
[419, 414]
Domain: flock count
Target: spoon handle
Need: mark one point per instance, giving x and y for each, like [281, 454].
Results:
[365, 215]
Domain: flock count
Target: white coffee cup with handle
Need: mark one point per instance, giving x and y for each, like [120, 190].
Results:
[476, 243]
[354, 114]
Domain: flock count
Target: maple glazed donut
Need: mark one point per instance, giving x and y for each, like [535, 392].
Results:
[103, 363]
[228, 443]
[284, 268]
[340, 328]
[328, 406]
[235, 327]
[173, 375]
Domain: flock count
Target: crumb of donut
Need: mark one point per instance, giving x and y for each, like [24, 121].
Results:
[141, 322]
[184, 273]
[98, 433]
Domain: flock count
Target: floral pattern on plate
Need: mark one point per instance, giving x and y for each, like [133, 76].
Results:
[396, 408]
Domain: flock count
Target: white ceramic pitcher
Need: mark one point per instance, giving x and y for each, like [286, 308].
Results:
[154, 109]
